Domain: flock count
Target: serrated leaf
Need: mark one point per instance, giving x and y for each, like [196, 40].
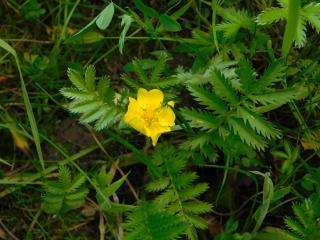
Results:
[311, 13]
[208, 99]
[158, 185]
[76, 94]
[76, 79]
[278, 97]
[193, 192]
[246, 134]
[90, 77]
[274, 73]
[271, 15]
[223, 88]
[201, 119]
[93, 115]
[197, 221]
[87, 106]
[247, 76]
[258, 123]
[197, 207]
[159, 67]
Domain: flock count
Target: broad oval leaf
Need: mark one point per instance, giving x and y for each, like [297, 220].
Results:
[105, 17]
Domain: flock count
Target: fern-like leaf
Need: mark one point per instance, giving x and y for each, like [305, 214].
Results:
[64, 194]
[271, 15]
[93, 99]
[159, 67]
[149, 222]
[246, 134]
[178, 190]
[258, 123]
[208, 99]
[223, 88]
[201, 119]
[309, 13]
[274, 73]
[234, 20]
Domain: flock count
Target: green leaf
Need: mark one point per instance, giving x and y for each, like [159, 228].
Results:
[268, 190]
[90, 37]
[27, 103]
[169, 24]
[197, 207]
[158, 184]
[151, 222]
[115, 186]
[76, 94]
[126, 21]
[274, 73]
[278, 97]
[201, 119]
[223, 88]
[146, 10]
[294, 27]
[271, 15]
[258, 123]
[208, 99]
[246, 134]
[105, 17]
[311, 13]
[76, 79]
[90, 77]
[247, 76]
[64, 194]
[104, 21]
[159, 67]
[273, 233]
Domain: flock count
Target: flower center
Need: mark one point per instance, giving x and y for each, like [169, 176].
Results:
[150, 116]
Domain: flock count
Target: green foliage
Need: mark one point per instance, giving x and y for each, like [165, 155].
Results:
[289, 156]
[234, 20]
[149, 222]
[308, 14]
[102, 21]
[232, 106]
[303, 226]
[151, 77]
[230, 232]
[237, 109]
[94, 99]
[178, 191]
[65, 194]
[125, 22]
[106, 188]
[32, 9]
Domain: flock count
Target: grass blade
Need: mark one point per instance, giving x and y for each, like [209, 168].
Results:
[32, 120]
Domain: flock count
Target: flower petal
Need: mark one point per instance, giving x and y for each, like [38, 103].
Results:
[149, 99]
[155, 130]
[155, 138]
[138, 124]
[171, 103]
[166, 117]
[134, 110]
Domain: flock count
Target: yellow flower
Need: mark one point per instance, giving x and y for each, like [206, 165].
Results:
[147, 115]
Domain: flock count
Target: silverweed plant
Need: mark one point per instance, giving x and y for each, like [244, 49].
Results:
[151, 120]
